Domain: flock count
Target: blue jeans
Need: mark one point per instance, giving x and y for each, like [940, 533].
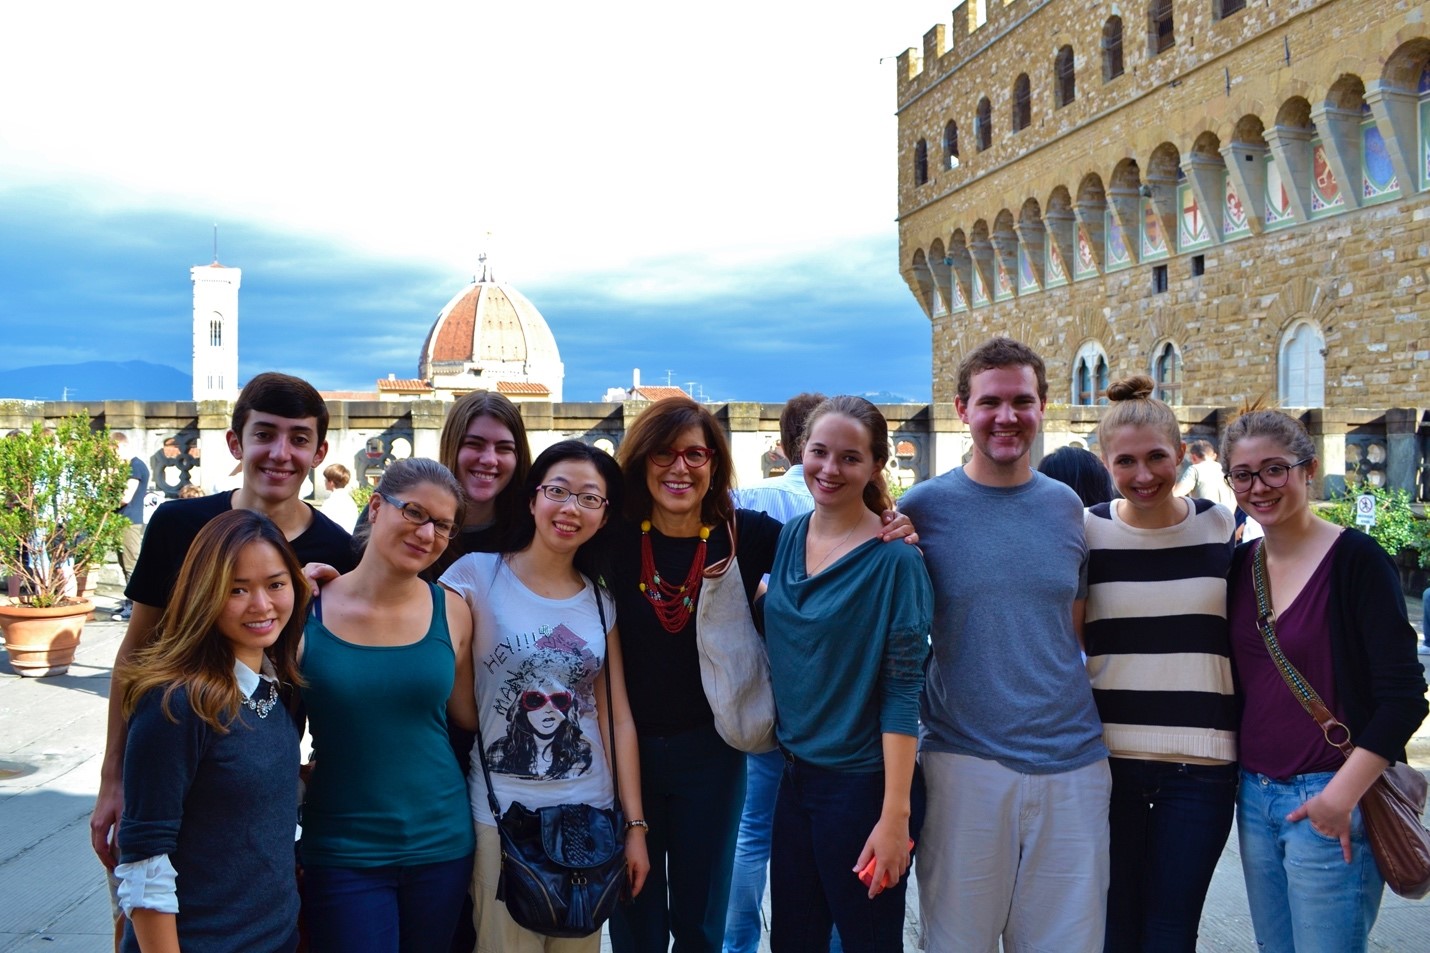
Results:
[692, 789]
[1304, 897]
[1169, 823]
[411, 909]
[822, 819]
[752, 852]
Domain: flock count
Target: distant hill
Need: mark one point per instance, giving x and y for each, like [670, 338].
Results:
[886, 397]
[97, 380]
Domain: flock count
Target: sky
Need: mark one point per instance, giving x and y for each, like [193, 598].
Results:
[707, 192]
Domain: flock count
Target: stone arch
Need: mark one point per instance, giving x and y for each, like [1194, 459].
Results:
[1126, 175]
[1208, 144]
[1404, 66]
[1064, 77]
[1164, 162]
[1090, 189]
[1249, 130]
[983, 124]
[1301, 298]
[920, 280]
[942, 301]
[1294, 113]
[1347, 92]
[1022, 111]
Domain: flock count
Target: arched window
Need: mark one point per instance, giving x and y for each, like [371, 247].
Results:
[921, 162]
[216, 332]
[1301, 370]
[950, 144]
[1064, 79]
[1111, 49]
[1225, 8]
[983, 127]
[1089, 383]
[1167, 372]
[1022, 102]
[1159, 26]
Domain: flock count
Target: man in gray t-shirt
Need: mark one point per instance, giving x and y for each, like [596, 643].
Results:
[1016, 838]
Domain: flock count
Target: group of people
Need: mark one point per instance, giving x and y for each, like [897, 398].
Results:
[531, 624]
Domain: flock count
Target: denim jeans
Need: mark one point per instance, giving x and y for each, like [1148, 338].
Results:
[752, 852]
[411, 909]
[822, 819]
[692, 789]
[1304, 897]
[1169, 823]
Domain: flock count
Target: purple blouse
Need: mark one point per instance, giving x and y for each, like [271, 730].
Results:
[1277, 737]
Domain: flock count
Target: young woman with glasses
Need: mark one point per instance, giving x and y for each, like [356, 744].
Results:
[387, 837]
[543, 659]
[678, 475]
[1338, 613]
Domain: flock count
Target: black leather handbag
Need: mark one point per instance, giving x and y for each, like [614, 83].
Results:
[563, 868]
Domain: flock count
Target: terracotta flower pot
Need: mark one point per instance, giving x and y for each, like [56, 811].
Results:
[42, 642]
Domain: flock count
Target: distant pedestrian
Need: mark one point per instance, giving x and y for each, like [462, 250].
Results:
[131, 507]
[339, 506]
[1202, 479]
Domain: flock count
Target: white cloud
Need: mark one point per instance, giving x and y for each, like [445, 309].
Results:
[585, 138]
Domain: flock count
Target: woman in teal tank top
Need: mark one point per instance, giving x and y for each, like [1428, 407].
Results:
[387, 837]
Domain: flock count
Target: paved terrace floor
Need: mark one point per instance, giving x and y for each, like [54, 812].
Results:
[52, 894]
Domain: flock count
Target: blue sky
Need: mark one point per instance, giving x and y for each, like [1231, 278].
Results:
[725, 213]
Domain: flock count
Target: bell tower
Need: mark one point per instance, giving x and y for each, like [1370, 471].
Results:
[215, 331]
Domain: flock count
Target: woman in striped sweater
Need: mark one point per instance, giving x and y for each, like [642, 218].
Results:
[1158, 655]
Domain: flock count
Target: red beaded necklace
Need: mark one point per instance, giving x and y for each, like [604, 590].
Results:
[672, 604]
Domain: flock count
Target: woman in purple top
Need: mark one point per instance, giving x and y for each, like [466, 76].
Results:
[1339, 616]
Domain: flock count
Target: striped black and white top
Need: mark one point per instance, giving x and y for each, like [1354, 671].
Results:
[1155, 629]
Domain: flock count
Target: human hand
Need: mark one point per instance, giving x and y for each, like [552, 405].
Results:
[885, 857]
[898, 526]
[1328, 819]
[104, 822]
[318, 573]
[637, 859]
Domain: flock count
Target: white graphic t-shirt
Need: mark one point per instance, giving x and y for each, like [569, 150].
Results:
[536, 663]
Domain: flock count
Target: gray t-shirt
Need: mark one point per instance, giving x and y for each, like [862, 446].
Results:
[1006, 679]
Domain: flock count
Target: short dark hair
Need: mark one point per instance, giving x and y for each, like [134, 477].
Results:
[282, 395]
[1081, 470]
[653, 430]
[792, 420]
[1000, 352]
[1201, 449]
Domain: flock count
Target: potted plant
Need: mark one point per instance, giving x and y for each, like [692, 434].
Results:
[59, 490]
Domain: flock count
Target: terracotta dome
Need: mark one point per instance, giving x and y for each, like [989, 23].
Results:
[490, 333]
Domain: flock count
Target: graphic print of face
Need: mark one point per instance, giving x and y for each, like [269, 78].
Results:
[545, 707]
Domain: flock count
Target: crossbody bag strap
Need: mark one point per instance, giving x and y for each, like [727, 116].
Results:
[1336, 734]
[610, 724]
[716, 570]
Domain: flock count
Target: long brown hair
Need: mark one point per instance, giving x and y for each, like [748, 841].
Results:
[188, 650]
[656, 429]
[485, 403]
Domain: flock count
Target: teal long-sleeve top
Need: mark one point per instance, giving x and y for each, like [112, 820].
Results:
[847, 649]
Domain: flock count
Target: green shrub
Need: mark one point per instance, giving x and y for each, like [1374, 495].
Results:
[1396, 526]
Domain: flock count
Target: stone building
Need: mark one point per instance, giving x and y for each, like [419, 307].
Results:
[1230, 197]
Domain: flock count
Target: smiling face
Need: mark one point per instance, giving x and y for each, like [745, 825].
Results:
[838, 462]
[1003, 413]
[563, 527]
[402, 541]
[485, 464]
[1143, 463]
[1272, 506]
[677, 491]
[276, 454]
[259, 604]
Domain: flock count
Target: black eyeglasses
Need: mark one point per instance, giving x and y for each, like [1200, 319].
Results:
[694, 457]
[559, 494]
[418, 515]
[1273, 476]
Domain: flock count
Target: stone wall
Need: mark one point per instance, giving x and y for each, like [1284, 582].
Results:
[1269, 89]
[184, 441]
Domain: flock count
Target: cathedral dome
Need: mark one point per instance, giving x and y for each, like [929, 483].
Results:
[490, 334]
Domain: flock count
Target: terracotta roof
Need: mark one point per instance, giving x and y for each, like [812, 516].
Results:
[657, 393]
[406, 386]
[348, 394]
[523, 388]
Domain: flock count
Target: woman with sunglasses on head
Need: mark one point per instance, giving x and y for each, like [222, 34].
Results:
[678, 475]
[1338, 614]
[544, 660]
[387, 839]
